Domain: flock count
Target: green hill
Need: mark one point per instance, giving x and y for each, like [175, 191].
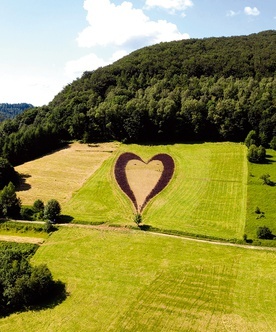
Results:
[189, 90]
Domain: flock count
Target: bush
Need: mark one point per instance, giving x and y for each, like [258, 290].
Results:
[49, 227]
[251, 138]
[138, 219]
[264, 232]
[256, 154]
[10, 205]
[26, 213]
[38, 206]
[266, 179]
[272, 144]
[23, 286]
[52, 210]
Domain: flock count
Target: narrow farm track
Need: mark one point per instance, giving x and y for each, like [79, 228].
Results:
[209, 241]
[126, 229]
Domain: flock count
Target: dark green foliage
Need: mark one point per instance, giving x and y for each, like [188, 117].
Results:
[273, 143]
[251, 138]
[189, 90]
[21, 285]
[138, 219]
[266, 179]
[49, 227]
[11, 110]
[26, 213]
[264, 232]
[7, 173]
[52, 210]
[256, 154]
[9, 203]
[38, 208]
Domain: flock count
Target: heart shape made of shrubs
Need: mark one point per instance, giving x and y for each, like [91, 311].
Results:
[122, 180]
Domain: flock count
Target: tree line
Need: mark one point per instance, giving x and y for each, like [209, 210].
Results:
[191, 90]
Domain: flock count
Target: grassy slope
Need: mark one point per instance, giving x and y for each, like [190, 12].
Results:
[262, 196]
[135, 281]
[206, 195]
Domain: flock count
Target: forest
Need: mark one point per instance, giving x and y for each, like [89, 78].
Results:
[212, 89]
[8, 111]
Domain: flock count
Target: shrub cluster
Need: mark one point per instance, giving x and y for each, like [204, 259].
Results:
[23, 286]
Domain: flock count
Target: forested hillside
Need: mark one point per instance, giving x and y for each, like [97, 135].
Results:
[190, 90]
[8, 111]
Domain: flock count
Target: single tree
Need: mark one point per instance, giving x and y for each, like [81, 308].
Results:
[251, 138]
[272, 144]
[9, 203]
[52, 210]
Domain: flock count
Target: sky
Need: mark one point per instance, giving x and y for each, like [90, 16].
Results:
[46, 44]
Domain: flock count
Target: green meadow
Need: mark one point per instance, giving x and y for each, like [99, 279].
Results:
[206, 196]
[127, 280]
[261, 196]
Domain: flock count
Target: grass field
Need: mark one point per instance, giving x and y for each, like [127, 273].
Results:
[207, 194]
[136, 281]
[214, 191]
[262, 196]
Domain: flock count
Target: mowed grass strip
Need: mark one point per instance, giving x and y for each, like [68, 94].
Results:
[136, 281]
[61, 173]
[261, 196]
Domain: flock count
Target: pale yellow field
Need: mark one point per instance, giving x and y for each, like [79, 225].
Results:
[60, 174]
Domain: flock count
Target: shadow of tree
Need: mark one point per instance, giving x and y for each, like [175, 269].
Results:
[65, 219]
[22, 185]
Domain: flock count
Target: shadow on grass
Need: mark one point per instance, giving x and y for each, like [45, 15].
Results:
[65, 219]
[145, 227]
[22, 185]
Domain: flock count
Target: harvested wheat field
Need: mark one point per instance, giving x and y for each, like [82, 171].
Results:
[59, 174]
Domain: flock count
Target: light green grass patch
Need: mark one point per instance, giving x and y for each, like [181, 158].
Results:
[262, 196]
[135, 281]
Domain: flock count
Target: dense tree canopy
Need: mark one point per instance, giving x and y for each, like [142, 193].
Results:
[11, 110]
[197, 89]
[23, 286]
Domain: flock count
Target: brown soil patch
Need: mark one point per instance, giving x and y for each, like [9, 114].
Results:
[59, 174]
[142, 178]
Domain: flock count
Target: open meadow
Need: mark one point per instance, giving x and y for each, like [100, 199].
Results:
[207, 194]
[126, 280]
[122, 279]
[214, 191]
[261, 196]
